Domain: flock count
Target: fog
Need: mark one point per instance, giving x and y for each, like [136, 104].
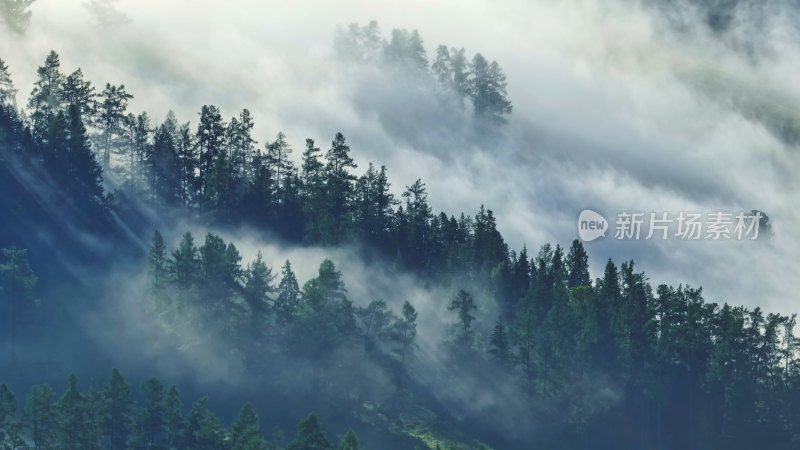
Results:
[618, 106]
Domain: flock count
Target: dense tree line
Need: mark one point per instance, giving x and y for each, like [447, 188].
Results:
[112, 416]
[480, 81]
[261, 319]
[690, 374]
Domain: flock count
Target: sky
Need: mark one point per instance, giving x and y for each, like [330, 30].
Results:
[618, 106]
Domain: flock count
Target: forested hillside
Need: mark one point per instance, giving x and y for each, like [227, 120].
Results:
[518, 350]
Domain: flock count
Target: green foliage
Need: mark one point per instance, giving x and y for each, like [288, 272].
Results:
[203, 429]
[287, 303]
[499, 342]
[11, 436]
[310, 436]
[349, 441]
[158, 261]
[245, 432]
[41, 416]
[91, 419]
[464, 304]
[7, 91]
[117, 394]
[70, 429]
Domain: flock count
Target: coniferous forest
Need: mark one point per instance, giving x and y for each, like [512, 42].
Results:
[447, 337]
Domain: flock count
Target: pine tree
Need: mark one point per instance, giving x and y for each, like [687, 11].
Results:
[406, 50]
[288, 299]
[155, 412]
[464, 304]
[187, 164]
[117, 394]
[111, 119]
[258, 289]
[416, 51]
[220, 275]
[375, 321]
[460, 68]
[310, 436]
[406, 332]
[488, 90]
[578, 266]
[326, 317]
[499, 105]
[349, 441]
[217, 197]
[442, 67]
[11, 436]
[520, 277]
[173, 419]
[373, 207]
[138, 131]
[277, 158]
[81, 94]
[95, 415]
[311, 171]
[210, 143]
[524, 337]
[338, 191]
[164, 165]
[45, 100]
[203, 429]
[242, 154]
[157, 259]
[289, 221]
[71, 429]
[17, 283]
[608, 304]
[499, 342]
[40, 417]
[85, 179]
[8, 95]
[184, 266]
[418, 214]
[54, 141]
[245, 432]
